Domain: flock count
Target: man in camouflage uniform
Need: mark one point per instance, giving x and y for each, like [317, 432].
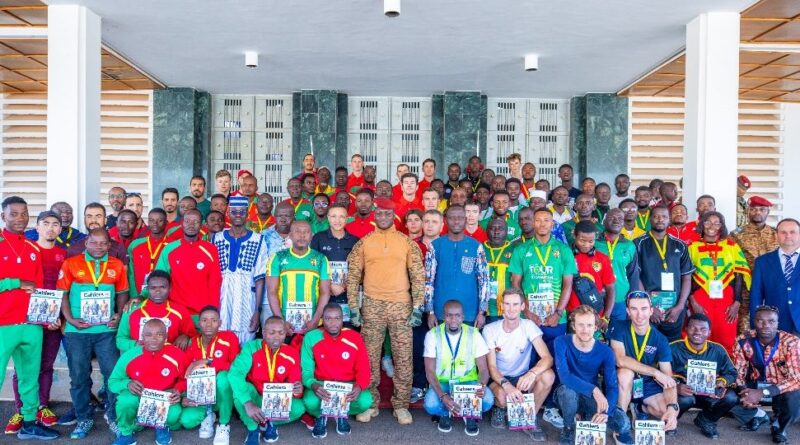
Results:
[755, 238]
[742, 185]
[388, 264]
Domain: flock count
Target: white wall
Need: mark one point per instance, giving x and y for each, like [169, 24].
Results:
[791, 161]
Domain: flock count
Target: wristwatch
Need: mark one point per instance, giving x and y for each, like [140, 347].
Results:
[503, 381]
[674, 406]
[765, 392]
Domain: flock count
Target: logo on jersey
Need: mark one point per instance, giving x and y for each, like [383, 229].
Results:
[60, 274]
[596, 266]
[165, 372]
[281, 369]
[313, 261]
[345, 355]
[81, 274]
[33, 257]
[218, 353]
[556, 254]
[200, 266]
[112, 273]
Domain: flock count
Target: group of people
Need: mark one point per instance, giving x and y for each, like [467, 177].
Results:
[498, 290]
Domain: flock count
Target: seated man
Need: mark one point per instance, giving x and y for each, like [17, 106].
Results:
[644, 364]
[695, 346]
[766, 362]
[447, 363]
[214, 349]
[511, 342]
[580, 359]
[153, 365]
[336, 354]
[260, 362]
[180, 327]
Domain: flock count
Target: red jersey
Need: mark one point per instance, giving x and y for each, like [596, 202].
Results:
[422, 185]
[162, 370]
[479, 234]
[285, 366]
[143, 256]
[20, 260]
[177, 319]
[196, 277]
[597, 268]
[115, 236]
[397, 192]
[361, 227]
[222, 350]
[354, 181]
[403, 206]
[342, 358]
[52, 259]
[688, 233]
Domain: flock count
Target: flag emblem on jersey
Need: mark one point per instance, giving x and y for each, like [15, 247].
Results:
[165, 372]
[112, 273]
[556, 254]
[313, 261]
[596, 266]
[200, 266]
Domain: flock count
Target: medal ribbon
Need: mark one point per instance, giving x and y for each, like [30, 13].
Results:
[271, 364]
[95, 278]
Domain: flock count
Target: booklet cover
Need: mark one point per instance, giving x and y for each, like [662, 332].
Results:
[45, 306]
[701, 376]
[338, 272]
[465, 396]
[649, 432]
[521, 416]
[588, 433]
[276, 401]
[153, 408]
[541, 303]
[96, 307]
[337, 406]
[201, 386]
[298, 313]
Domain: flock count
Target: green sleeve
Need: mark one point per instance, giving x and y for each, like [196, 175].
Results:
[7, 284]
[307, 363]
[163, 259]
[324, 270]
[274, 265]
[515, 265]
[568, 260]
[124, 340]
[237, 374]
[119, 379]
[134, 291]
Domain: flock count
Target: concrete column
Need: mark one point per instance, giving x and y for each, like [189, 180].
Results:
[791, 161]
[712, 111]
[73, 106]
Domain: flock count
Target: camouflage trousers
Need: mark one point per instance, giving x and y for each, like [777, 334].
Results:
[378, 317]
[744, 313]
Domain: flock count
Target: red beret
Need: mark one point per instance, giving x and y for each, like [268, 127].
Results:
[384, 203]
[757, 201]
[744, 181]
[243, 172]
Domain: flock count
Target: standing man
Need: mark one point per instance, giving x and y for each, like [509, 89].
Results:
[94, 217]
[309, 166]
[742, 186]
[566, 174]
[428, 175]
[116, 200]
[408, 200]
[276, 239]
[169, 202]
[497, 250]
[514, 161]
[222, 183]
[336, 244]
[528, 180]
[356, 177]
[666, 274]
[243, 263]
[643, 196]
[678, 227]
[21, 273]
[301, 206]
[455, 269]
[319, 222]
[453, 173]
[197, 188]
[584, 211]
[560, 207]
[143, 253]
[622, 253]
[630, 229]
[622, 184]
[125, 231]
[669, 195]
[472, 228]
[68, 236]
[388, 264]
[500, 203]
[193, 265]
[363, 221]
[397, 189]
[134, 203]
[263, 218]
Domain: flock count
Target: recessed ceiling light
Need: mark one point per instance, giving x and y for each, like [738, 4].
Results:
[532, 62]
[391, 8]
[251, 59]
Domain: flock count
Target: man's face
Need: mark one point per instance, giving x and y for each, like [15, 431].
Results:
[565, 174]
[678, 215]
[135, 204]
[49, 228]
[431, 225]
[513, 191]
[757, 214]
[584, 241]
[309, 185]
[543, 223]
[187, 204]
[697, 331]
[97, 245]
[294, 189]
[428, 169]
[215, 222]
[525, 219]
[528, 171]
[475, 166]
[401, 170]
[363, 204]
[453, 172]
[308, 163]
[320, 205]
[219, 204]
[560, 196]
[659, 219]
[587, 187]
[788, 236]
[169, 202]
[456, 220]
[274, 334]
[438, 186]
[65, 212]
[158, 289]
[413, 224]
[453, 317]
[628, 211]
[237, 215]
[705, 205]
[538, 203]
[466, 186]
[497, 232]
[300, 234]
[384, 218]
[584, 326]
[639, 311]
[430, 200]
[622, 184]
[324, 176]
[473, 213]
[223, 185]
[156, 223]
[543, 186]
[197, 187]
[369, 174]
[515, 165]
[191, 224]
[357, 164]
[603, 195]
[383, 190]
[498, 183]
[409, 186]
[154, 336]
[332, 321]
[126, 224]
[766, 325]
[209, 323]
[248, 186]
[337, 218]
[116, 198]
[341, 178]
[642, 198]
[500, 204]
[512, 306]
[94, 218]
[584, 206]
[459, 196]
[343, 198]
[669, 192]
[284, 215]
[265, 204]
[614, 221]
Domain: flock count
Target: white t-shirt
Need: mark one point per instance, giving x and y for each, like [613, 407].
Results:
[479, 348]
[512, 349]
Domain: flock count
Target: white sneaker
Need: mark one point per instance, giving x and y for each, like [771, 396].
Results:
[223, 436]
[553, 417]
[207, 426]
[388, 366]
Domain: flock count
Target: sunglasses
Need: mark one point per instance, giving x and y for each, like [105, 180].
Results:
[638, 294]
[136, 194]
[320, 204]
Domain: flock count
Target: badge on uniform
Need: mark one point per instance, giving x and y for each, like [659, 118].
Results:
[638, 388]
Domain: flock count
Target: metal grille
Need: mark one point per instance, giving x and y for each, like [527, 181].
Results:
[232, 146]
[368, 147]
[273, 179]
[368, 115]
[271, 148]
[548, 158]
[273, 114]
[232, 113]
[410, 116]
[506, 116]
[548, 117]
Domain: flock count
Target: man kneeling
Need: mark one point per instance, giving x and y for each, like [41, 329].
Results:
[260, 363]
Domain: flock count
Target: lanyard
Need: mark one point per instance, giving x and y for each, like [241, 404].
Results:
[146, 314]
[266, 223]
[643, 221]
[612, 247]
[494, 259]
[154, 255]
[453, 354]
[662, 250]
[271, 363]
[714, 254]
[639, 352]
[211, 349]
[95, 278]
[65, 241]
[760, 352]
[298, 205]
[546, 255]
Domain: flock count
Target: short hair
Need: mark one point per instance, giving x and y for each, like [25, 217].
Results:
[222, 173]
[655, 182]
[585, 226]
[602, 184]
[159, 274]
[429, 160]
[307, 155]
[332, 307]
[565, 166]
[513, 181]
[622, 175]
[417, 212]
[409, 175]
[454, 164]
[365, 191]
[792, 220]
[128, 211]
[513, 156]
[198, 177]
[429, 189]
[357, 155]
[95, 205]
[304, 176]
[643, 188]
[321, 195]
[16, 200]
[699, 317]
[170, 190]
[158, 210]
[706, 197]
[189, 198]
[626, 201]
[218, 196]
[583, 309]
[101, 231]
[543, 181]
[766, 308]
[340, 168]
[542, 210]
[208, 308]
[454, 207]
[514, 291]
[500, 193]
[588, 178]
[215, 212]
[432, 212]
[483, 185]
[338, 206]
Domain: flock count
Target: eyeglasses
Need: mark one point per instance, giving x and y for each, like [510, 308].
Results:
[320, 204]
[134, 194]
[638, 294]
[117, 196]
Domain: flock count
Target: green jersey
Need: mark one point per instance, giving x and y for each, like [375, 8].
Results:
[569, 229]
[621, 253]
[542, 268]
[514, 231]
[498, 258]
[318, 225]
[298, 285]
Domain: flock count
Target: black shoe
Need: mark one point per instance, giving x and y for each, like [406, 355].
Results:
[445, 424]
[755, 423]
[566, 437]
[342, 426]
[320, 428]
[471, 427]
[32, 430]
[707, 427]
[671, 433]
[778, 436]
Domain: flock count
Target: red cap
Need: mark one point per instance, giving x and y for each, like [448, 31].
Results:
[757, 201]
[243, 172]
[744, 181]
[384, 203]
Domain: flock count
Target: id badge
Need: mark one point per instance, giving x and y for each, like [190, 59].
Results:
[638, 388]
[715, 289]
[345, 312]
[667, 281]
[493, 290]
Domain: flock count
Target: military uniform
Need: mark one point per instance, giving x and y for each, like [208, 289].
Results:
[754, 243]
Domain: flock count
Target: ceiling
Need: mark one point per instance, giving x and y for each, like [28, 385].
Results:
[584, 46]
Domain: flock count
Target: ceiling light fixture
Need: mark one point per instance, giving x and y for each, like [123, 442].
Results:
[251, 59]
[532, 62]
[391, 8]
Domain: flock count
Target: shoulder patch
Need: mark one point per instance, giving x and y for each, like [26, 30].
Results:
[287, 357]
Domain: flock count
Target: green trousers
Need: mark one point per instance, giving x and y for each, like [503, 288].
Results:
[23, 344]
[192, 416]
[128, 405]
[297, 409]
[357, 406]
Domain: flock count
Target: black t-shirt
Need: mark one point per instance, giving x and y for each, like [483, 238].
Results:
[651, 265]
[336, 250]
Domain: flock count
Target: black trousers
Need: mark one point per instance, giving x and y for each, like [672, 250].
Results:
[712, 409]
[786, 408]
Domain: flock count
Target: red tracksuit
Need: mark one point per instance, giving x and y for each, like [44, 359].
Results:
[20, 259]
[222, 350]
[162, 370]
[196, 278]
[342, 359]
[287, 367]
[180, 320]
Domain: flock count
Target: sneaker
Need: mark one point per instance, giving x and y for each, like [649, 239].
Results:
[471, 427]
[82, 430]
[69, 418]
[308, 420]
[755, 423]
[367, 415]
[32, 430]
[417, 394]
[163, 436]
[536, 433]
[252, 438]
[320, 430]
[637, 412]
[708, 428]
[46, 416]
[498, 417]
[778, 436]
[567, 437]
[553, 417]
[342, 426]
[623, 438]
[270, 433]
[125, 440]
[14, 424]
[388, 366]
[114, 428]
[223, 435]
[445, 424]
[207, 426]
[403, 416]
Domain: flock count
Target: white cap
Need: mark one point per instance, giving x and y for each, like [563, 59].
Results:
[538, 194]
